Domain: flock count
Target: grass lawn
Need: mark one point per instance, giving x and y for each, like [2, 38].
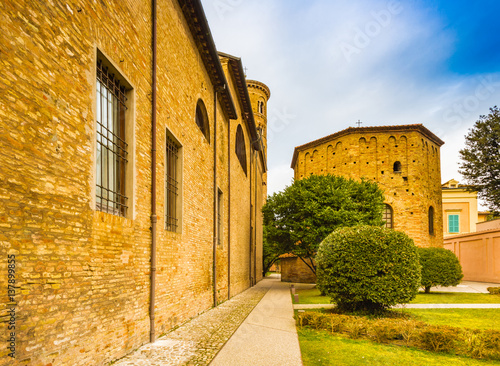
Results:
[313, 296]
[464, 318]
[322, 348]
[455, 298]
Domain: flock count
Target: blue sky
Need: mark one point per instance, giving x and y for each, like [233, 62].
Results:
[329, 63]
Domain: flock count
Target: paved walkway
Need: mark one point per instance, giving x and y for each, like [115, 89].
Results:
[198, 341]
[267, 337]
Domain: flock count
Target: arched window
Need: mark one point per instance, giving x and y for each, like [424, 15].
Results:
[397, 167]
[387, 216]
[260, 106]
[202, 119]
[240, 148]
[431, 220]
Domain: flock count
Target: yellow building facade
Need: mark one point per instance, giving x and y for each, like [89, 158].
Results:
[133, 172]
[404, 161]
[460, 209]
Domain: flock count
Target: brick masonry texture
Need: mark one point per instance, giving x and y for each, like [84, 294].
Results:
[84, 275]
[293, 269]
[371, 153]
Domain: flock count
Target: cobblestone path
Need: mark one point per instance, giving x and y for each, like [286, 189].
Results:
[198, 341]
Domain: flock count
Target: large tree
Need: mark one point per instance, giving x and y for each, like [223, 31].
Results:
[481, 158]
[298, 218]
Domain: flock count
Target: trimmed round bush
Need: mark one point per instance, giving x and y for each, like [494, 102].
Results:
[368, 268]
[440, 267]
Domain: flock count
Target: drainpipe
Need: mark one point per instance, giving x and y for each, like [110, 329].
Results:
[229, 209]
[250, 199]
[153, 184]
[214, 267]
[255, 222]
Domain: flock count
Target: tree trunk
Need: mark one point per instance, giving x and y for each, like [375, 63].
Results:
[427, 289]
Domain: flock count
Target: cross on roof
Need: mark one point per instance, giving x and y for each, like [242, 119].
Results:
[359, 123]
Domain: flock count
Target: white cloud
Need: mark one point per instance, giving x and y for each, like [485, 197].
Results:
[399, 75]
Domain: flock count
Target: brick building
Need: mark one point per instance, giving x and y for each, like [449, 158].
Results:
[133, 170]
[405, 162]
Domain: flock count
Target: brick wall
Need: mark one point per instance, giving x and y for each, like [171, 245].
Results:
[293, 269]
[84, 275]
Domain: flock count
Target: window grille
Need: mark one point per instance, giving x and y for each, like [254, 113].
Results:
[387, 216]
[171, 185]
[111, 156]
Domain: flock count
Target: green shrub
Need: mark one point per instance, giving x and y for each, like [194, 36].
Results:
[494, 290]
[368, 268]
[437, 338]
[384, 330]
[410, 330]
[473, 345]
[336, 323]
[491, 339]
[355, 327]
[440, 267]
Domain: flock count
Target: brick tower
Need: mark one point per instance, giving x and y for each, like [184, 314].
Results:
[259, 95]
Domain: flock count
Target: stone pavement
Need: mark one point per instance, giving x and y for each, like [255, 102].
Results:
[198, 341]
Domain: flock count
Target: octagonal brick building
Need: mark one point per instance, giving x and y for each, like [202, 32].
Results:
[405, 162]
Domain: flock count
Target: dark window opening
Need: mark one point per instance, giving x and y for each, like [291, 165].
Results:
[202, 119]
[240, 148]
[260, 107]
[431, 220]
[397, 167]
[111, 147]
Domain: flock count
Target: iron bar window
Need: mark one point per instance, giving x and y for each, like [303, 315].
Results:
[171, 185]
[111, 156]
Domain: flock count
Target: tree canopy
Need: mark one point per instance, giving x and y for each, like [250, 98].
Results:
[440, 267]
[481, 158]
[298, 218]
